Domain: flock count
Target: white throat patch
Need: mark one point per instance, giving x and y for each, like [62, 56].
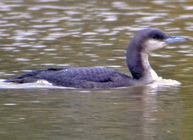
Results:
[152, 44]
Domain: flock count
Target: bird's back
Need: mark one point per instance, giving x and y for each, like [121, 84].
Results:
[94, 77]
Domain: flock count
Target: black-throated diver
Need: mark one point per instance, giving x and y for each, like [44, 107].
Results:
[144, 42]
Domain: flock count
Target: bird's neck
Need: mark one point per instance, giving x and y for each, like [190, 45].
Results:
[149, 74]
[140, 68]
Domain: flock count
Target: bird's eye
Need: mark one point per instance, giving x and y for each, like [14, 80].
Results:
[156, 37]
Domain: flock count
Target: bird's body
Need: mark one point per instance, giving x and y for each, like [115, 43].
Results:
[84, 77]
[142, 44]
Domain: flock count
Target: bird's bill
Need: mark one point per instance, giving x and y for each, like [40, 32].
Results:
[176, 40]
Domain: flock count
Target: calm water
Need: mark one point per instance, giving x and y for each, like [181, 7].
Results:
[36, 34]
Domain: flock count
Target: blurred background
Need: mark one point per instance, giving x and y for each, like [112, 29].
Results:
[39, 34]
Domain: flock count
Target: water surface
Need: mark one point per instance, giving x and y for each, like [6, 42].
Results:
[37, 34]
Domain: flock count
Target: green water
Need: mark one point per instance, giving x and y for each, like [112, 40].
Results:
[37, 34]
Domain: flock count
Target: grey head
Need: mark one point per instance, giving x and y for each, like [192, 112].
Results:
[150, 39]
[147, 40]
[143, 43]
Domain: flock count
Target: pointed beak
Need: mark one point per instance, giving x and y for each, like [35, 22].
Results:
[176, 39]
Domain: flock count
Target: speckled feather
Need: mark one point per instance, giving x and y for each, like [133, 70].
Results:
[96, 77]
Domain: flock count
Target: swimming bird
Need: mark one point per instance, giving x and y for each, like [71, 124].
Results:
[143, 43]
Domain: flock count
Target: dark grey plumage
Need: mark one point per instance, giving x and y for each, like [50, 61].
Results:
[77, 77]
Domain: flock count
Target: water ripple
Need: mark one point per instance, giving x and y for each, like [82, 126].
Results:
[54, 32]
